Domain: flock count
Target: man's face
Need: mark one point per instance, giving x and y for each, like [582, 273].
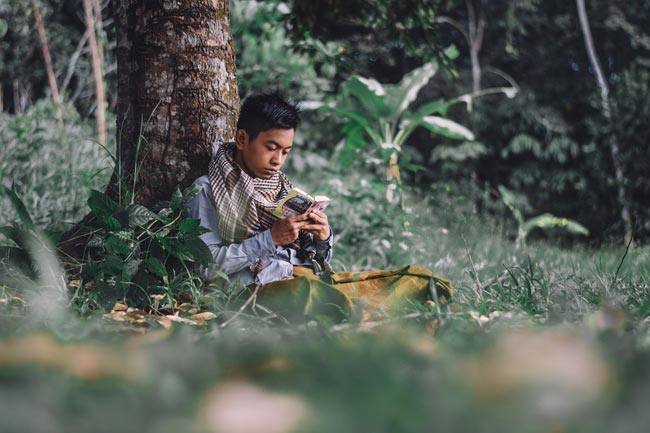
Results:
[265, 155]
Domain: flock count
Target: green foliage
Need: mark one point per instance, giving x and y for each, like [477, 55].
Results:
[381, 113]
[544, 221]
[28, 264]
[135, 252]
[383, 40]
[630, 111]
[370, 232]
[18, 41]
[21, 233]
[52, 168]
[21, 61]
[265, 58]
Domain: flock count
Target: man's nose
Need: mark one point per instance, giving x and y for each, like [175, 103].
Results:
[276, 159]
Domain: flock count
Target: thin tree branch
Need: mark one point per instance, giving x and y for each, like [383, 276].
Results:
[97, 72]
[73, 61]
[591, 52]
[48, 63]
[604, 99]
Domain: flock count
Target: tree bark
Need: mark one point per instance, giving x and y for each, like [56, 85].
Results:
[15, 96]
[47, 58]
[177, 97]
[619, 174]
[100, 113]
[99, 24]
[177, 89]
[476, 27]
[474, 37]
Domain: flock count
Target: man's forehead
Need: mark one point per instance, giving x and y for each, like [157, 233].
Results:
[279, 137]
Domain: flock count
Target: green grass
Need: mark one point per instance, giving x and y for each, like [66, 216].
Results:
[546, 337]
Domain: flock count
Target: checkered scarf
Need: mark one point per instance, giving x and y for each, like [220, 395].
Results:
[245, 204]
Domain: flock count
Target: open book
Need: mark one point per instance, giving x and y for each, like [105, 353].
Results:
[297, 202]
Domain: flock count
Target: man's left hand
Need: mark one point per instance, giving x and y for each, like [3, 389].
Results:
[318, 225]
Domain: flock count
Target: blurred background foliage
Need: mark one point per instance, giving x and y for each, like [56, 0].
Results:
[538, 335]
[548, 144]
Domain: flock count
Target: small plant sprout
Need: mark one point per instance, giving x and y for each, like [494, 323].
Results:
[543, 221]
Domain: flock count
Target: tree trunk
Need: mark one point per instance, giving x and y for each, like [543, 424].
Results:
[100, 113]
[15, 96]
[40, 28]
[99, 24]
[177, 98]
[604, 104]
[177, 89]
[476, 27]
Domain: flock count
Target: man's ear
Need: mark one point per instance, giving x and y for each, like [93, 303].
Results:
[241, 139]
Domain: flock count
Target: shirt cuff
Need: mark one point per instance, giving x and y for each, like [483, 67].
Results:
[323, 247]
[259, 246]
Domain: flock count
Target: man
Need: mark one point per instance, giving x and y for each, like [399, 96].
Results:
[243, 186]
[241, 190]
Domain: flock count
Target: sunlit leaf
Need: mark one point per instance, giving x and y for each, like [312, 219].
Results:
[356, 117]
[367, 92]
[401, 96]
[438, 106]
[373, 85]
[549, 221]
[139, 215]
[191, 191]
[177, 201]
[165, 213]
[96, 241]
[447, 128]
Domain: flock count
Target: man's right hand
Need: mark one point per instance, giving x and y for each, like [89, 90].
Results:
[284, 231]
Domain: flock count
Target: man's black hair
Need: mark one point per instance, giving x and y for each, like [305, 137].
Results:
[264, 111]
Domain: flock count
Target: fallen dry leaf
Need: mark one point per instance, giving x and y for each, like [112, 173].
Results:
[158, 298]
[179, 319]
[119, 307]
[202, 318]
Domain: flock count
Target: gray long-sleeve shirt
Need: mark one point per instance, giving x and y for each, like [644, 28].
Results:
[237, 259]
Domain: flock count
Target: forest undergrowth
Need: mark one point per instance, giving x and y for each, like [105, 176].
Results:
[547, 335]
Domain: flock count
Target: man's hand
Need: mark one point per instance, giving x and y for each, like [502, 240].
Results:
[318, 225]
[285, 230]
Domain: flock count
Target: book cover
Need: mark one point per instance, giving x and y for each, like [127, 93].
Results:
[297, 202]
